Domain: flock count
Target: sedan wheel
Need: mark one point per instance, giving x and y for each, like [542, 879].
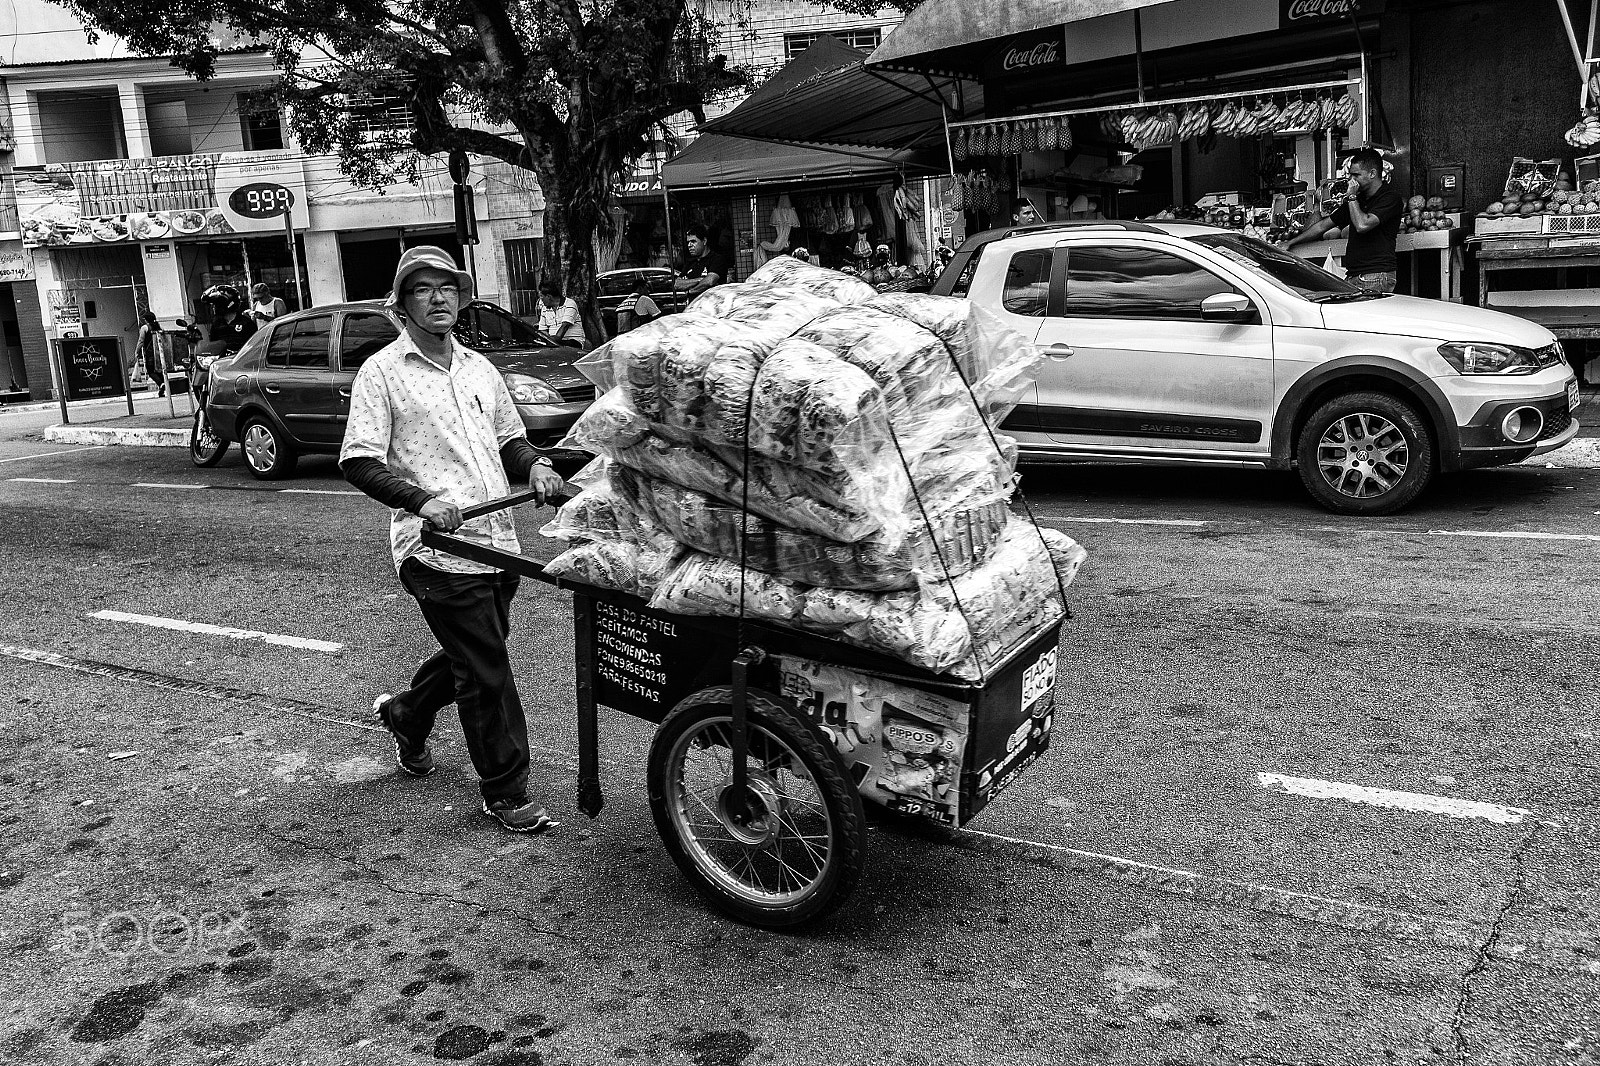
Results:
[1365, 453]
[266, 453]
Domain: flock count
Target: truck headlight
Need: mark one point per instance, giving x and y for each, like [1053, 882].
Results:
[1471, 357]
[525, 389]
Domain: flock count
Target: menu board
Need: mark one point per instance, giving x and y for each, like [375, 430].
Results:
[90, 367]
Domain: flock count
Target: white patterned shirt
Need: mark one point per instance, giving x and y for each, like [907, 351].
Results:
[440, 430]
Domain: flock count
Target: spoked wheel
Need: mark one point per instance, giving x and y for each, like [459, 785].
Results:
[785, 851]
[205, 447]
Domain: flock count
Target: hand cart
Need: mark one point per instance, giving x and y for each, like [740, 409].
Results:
[760, 756]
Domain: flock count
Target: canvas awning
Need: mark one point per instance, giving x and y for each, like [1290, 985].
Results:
[955, 38]
[713, 161]
[826, 96]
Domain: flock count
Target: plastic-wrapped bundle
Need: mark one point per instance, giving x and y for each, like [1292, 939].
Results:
[908, 362]
[776, 307]
[962, 533]
[788, 272]
[627, 564]
[703, 585]
[997, 361]
[962, 627]
[633, 359]
[784, 493]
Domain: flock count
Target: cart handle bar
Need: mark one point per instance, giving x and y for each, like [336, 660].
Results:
[512, 562]
[478, 510]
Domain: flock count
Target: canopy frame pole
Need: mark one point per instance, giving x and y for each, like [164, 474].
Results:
[1572, 38]
[1138, 52]
[949, 150]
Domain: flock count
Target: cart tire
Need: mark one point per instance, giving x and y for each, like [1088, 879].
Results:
[205, 447]
[736, 860]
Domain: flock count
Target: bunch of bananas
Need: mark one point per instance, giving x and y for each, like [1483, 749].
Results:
[1300, 114]
[1586, 134]
[1344, 113]
[1196, 122]
[1146, 129]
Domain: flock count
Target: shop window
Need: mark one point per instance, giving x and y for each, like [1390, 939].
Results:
[308, 350]
[1028, 283]
[278, 347]
[362, 337]
[1130, 282]
[379, 113]
[864, 40]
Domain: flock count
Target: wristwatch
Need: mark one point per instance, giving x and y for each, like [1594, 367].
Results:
[543, 460]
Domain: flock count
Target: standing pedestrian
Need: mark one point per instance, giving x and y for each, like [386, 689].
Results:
[559, 315]
[1371, 212]
[148, 346]
[432, 430]
[704, 268]
[264, 307]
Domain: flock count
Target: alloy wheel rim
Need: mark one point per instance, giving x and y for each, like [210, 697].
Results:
[771, 847]
[1363, 455]
[260, 448]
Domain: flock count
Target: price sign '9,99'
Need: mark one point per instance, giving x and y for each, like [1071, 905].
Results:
[261, 200]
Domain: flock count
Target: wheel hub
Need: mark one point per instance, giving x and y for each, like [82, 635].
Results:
[751, 816]
[1363, 455]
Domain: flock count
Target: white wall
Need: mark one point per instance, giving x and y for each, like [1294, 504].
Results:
[74, 127]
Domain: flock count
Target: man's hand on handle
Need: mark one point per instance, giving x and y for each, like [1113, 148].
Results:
[441, 515]
[544, 482]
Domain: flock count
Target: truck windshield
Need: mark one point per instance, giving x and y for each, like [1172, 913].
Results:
[1285, 268]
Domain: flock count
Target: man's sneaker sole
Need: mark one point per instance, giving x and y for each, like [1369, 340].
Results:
[399, 759]
[543, 825]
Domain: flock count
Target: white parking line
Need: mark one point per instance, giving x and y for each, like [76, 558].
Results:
[45, 480]
[46, 455]
[163, 485]
[1127, 521]
[220, 631]
[1490, 533]
[325, 492]
[1420, 802]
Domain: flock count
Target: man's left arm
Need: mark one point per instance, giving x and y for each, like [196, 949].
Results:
[1384, 207]
[517, 454]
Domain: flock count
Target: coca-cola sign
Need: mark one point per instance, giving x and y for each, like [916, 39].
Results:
[1305, 12]
[1039, 55]
[1021, 56]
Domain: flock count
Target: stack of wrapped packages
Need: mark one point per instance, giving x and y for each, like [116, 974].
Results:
[809, 452]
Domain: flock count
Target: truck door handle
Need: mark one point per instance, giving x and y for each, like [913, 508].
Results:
[271, 388]
[1059, 351]
[345, 392]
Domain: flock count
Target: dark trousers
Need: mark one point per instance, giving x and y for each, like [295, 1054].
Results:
[470, 614]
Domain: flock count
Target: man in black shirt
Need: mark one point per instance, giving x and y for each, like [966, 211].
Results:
[706, 267]
[1372, 215]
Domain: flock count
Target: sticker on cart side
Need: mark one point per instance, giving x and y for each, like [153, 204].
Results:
[904, 747]
[639, 658]
[1039, 680]
[1025, 744]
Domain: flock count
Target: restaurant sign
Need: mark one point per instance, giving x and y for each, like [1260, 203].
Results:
[109, 201]
[1293, 13]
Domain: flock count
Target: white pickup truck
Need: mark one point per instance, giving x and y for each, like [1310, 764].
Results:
[1177, 342]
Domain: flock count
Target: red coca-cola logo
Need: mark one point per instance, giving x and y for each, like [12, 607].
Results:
[1320, 9]
[1023, 58]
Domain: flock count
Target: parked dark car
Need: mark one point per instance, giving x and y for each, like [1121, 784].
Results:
[614, 286]
[287, 391]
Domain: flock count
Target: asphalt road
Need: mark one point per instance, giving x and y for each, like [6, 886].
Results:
[1321, 791]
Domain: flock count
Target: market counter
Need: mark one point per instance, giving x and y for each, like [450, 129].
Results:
[1445, 244]
[1569, 313]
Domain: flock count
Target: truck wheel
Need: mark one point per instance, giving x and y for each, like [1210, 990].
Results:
[266, 453]
[790, 849]
[205, 447]
[1365, 453]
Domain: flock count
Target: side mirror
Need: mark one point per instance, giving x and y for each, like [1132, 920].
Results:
[1228, 307]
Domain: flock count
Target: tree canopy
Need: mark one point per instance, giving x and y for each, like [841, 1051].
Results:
[568, 89]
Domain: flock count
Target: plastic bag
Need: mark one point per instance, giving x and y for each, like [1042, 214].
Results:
[780, 308]
[703, 585]
[627, 564]
[788, 272]
[998, 362]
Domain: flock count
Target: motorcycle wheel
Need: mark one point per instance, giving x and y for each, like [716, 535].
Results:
[205, 447]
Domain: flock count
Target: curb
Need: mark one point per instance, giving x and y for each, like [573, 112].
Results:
[146, 437]
[1575, 454]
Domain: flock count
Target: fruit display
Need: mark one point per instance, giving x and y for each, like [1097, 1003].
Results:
[1563, 199]
[1425, 213]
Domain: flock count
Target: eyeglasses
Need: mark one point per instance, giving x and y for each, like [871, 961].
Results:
[428, 292]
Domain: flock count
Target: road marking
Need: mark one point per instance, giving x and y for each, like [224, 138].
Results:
[46, 455]
[163, 485]
[1568, 950]
[220, 631]
[325, 492]
[1129, 521]
[178, 684]
[1420, 802]
[1492, 534]
[46, 480]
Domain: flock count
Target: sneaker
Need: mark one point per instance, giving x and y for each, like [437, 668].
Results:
[414, 759]
[518, 814]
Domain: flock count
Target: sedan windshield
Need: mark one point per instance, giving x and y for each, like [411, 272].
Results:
[488, 328]
[1285, 268]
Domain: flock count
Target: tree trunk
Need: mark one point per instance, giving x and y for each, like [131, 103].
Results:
[575, 196]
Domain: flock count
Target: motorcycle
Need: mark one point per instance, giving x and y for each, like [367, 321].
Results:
[205, 447]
